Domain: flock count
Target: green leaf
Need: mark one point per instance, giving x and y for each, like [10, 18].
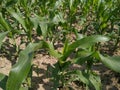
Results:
[41, 23]
[55, 76]
[51, 49]
[71, 3]
[11, 2]
[58, 18]
[18, 17]
[3, 80]
[84, 43]
[83, 77]
[39, 32]
[35, 21]
[65, 45]
[23, 2]
[95, 80]
[87, 41]
[58, 3]
[2, 36]
[4, 23]
[44, 28]
[82, 59]
[111, 62]
[90, 79]
[21, 69]
[1, 76]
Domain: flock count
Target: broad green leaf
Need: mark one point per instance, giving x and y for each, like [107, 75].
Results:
[21, 69]
[111, 62]
[41, 23]
[18, 17]
[87, 41]
[3, 80]
[44, 28]
[81, 59]
[95, 80]
[1, 76]
[82, 56]
[2, 36]
[84, 43]
[35, 21]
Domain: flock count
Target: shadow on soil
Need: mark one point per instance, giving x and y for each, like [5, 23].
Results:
[41, 81]
[110, 80]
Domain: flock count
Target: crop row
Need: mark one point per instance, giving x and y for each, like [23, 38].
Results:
[82, 26]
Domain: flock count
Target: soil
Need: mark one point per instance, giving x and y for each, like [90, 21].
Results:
[110, 80]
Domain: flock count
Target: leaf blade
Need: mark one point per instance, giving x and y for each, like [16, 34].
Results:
[2, 36]
[3, 80]
[84, 43]
[111, 62]
[20, 70]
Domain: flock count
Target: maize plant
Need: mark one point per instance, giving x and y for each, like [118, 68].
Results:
[83, 27]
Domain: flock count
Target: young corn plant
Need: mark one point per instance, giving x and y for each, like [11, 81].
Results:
[20, 70]
[44, 19]
[85, 54]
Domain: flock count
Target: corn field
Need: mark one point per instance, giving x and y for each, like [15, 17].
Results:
[84, 33]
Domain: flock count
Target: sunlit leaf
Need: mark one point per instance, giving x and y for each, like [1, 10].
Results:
[84, 43]
[58, 18]
[21, 69]
[43, 28]
[18, 17]
[111, 62]
[71, 3]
